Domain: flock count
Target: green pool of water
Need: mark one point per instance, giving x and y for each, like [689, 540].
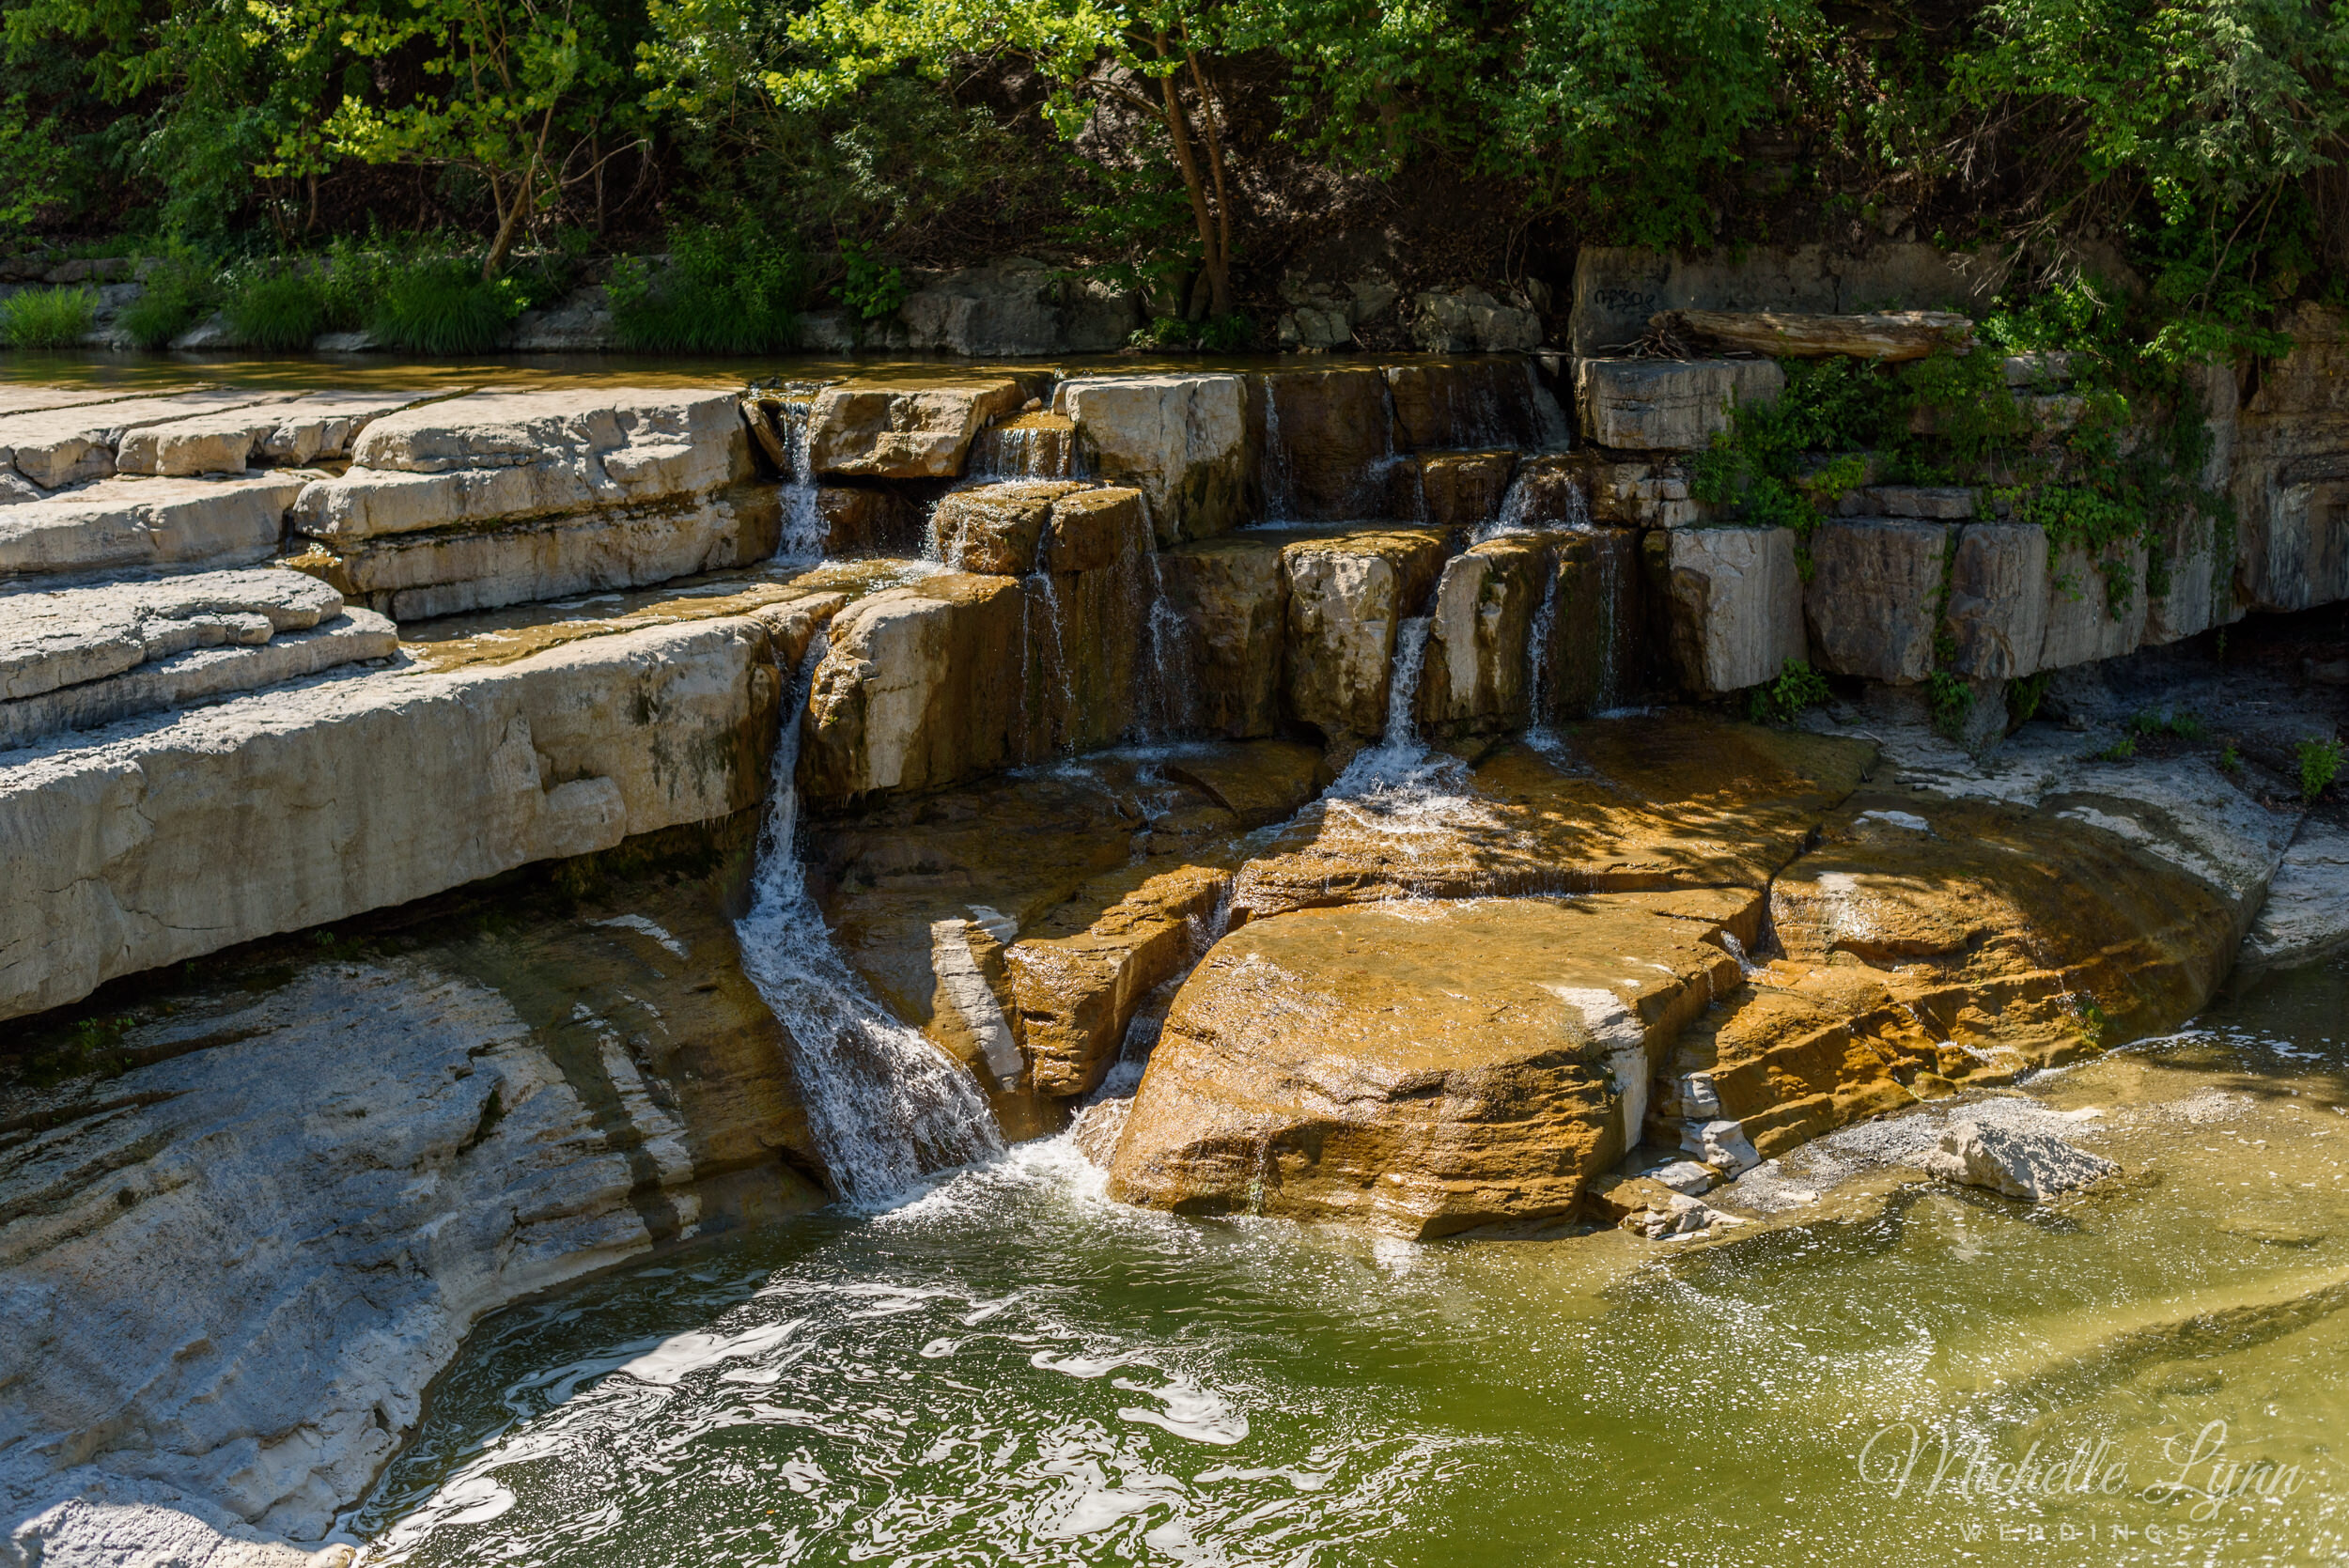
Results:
[1012, 1369]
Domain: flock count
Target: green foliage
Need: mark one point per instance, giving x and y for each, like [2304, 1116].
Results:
[2024, 695]
[277, 307]
[871, 288]
[177, 290]
[47, 317]
[2320, 761]
[2180, 723]
[1952, 702]
[2230, 760]
[38, 163]
[727, 290]
[1797, 687]
[2120, 751]
[444, 308]
[1213, 334]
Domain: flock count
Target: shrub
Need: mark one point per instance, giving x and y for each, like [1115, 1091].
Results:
[444, 308]
[179, 289]
[2320, 760]
[1797, 687]
[871, 288]
[47, 317]
[278, 308]
[732, 290]
[1952, 702]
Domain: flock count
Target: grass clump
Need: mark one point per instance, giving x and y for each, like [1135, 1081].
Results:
[2320, 762]
[47, 317]
[445, 307]
[278, 308]
[178, 290]
[731, 290]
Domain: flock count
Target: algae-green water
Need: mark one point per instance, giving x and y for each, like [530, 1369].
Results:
[1012, 1369]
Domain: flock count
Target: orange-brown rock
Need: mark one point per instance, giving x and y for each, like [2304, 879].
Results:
[1420, 1068]
[886, 432]
[1678, 798]
[1326, 445]
[1232, 598]
[994, 529]
[1348, 592]
[1461, 489]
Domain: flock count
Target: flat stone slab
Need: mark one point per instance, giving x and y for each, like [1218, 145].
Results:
[133, 523]
[67, 636]
[61, 446]
[1667, 405]
[315, 426]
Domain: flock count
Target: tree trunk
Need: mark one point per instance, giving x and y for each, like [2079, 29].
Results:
[509, 218]
[1212, 258]
[1215, 150]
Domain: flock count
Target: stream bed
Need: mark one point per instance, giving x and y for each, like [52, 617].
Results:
[1010, 1367]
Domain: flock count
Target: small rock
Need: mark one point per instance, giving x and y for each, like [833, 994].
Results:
[1686, 1176]
[2018, 1162]
[1722, 1145]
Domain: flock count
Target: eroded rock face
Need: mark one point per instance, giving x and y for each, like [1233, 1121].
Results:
[315, 1186]
[1732, 605]
[1180, 440]
[996, 529]
[1327, 445]
[1422, 1070]
[878, 432]
[70, 442]
[2290, 485]
[120, 841]
[1471, 403]
[1232, 597]
[1476, 677]
[1462, 490]
[1874, 595]
[1667, 405]
[1998, 607]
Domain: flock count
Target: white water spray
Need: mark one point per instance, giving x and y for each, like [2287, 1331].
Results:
[886, 1106]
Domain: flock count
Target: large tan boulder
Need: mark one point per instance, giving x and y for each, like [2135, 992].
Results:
[885, 432]
[921, 686]
[1732, 601]
[1348, 592]
[1422, 1070]
[995, 530]
[1180, 440]
[1477, 677]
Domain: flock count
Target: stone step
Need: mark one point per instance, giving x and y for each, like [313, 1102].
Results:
[129, 524]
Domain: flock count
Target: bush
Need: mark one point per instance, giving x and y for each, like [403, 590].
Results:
[1797, 687]
[278, 308]
[47, 317]
[178, 290]
[733, 291]
[444, 308]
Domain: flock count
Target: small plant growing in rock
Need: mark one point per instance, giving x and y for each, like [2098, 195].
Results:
[1952, 702]
[1797, 687]
[2230, 760]
[2320, 760]
[2120, 751]
[2024, 696]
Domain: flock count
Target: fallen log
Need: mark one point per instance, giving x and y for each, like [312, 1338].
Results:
[1891, 335]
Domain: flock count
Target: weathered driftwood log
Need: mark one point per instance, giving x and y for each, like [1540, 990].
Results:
[1900, 334]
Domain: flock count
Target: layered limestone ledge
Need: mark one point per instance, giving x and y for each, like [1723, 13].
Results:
[71, 443]
[131, 523]
[317, 1178]
[1654, 405]
[80, 657]
[1529, 627]
[501, 498]
[1348, 593]
[1472, 403]
[157, 839]
[1180, 440]
[315, 426]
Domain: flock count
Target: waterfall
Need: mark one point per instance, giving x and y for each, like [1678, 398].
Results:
[886, 1106]
[1280, 487]
[1537, 639]
[804, 531]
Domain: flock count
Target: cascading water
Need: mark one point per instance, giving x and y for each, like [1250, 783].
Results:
[805, 532]
[1280, 485]
[885, 1105]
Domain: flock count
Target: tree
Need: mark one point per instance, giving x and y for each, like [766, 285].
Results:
[1148, 61]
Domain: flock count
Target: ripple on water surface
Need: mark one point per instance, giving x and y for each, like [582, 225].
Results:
[1012, 1369]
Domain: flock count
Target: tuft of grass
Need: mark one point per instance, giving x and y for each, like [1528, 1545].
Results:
[2230, 760]
[443, 307]
[279, 309]
[47, 317]
[2320, 761]
[729, 290]
[178, 291]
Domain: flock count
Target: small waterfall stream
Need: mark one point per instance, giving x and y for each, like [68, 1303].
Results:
[886, 1106]
[804, 531]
